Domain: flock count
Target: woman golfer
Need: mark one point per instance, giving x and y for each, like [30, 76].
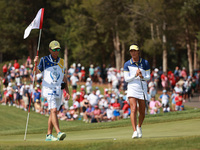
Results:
[136, 73]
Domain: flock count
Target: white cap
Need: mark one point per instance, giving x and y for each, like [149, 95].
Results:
[156, 70]
[27, 86]
[37, 85]
[9, 84]
[71, 107]
[85, 96]
[100, 96]
[79, 64]
[82, 68]
[78, 93]
[82, 86]
[88, 79]
[120, 95]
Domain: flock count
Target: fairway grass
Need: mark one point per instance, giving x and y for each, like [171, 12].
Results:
[175, 130]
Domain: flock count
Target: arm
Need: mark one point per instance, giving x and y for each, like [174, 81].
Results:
[66, 87]
[127, 76]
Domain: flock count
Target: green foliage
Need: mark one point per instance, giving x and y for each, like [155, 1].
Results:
[87, 27]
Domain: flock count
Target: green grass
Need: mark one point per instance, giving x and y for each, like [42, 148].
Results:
[174, 130]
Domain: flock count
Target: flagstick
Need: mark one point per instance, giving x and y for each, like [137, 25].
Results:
[32, 84]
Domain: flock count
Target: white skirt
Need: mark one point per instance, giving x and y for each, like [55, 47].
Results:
[136, 91]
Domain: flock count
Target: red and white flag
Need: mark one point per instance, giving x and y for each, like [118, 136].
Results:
[36, 23]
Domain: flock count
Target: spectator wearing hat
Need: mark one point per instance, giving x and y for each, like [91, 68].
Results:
[82, 74]
[36, 96]
[109, 112]
[164, 80]
[103, 102]
[9, 94]
[88, 85]
[91, 72]
[164, 98]
[98, 92]
[78, 70]
[93, 98]
[74, 80]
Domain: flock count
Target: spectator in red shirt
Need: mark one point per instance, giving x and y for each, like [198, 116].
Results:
[5, 69]
[116, 107]
[164, 80]
[125, 109]
[82, 74]
[179, 102]
[16, 65]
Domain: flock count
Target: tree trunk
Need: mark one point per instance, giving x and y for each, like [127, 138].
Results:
[154, 54]
[1, 57]
[66, 57]
[164, 49]
[123, 55]
[189, 50]
[32, 49]
[117, 50]
[195, 54]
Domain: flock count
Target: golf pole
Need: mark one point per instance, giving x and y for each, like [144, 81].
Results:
[141, 84]
[38, 46]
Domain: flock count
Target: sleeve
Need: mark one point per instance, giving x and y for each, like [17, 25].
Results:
[41, 65]
[127, 76]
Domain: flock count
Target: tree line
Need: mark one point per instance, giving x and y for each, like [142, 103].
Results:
[101, 31]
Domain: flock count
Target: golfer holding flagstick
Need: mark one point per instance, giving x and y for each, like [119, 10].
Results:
[136, 73]
[54, 80]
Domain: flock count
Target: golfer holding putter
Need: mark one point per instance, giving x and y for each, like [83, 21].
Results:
[54, 80]
[136, 73]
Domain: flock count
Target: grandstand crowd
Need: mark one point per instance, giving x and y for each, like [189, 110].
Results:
[98, 94]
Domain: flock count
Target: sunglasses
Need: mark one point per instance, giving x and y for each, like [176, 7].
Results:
[57, 49]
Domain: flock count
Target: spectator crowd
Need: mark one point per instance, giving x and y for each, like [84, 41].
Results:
[97, 94]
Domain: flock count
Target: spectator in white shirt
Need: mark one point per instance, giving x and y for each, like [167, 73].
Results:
[74, 80]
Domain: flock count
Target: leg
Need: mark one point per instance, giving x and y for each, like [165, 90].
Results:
[54, 119]
[50, 125]
[133, 116]
[141, 111]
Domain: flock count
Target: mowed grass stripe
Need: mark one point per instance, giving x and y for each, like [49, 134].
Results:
[167, 129]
